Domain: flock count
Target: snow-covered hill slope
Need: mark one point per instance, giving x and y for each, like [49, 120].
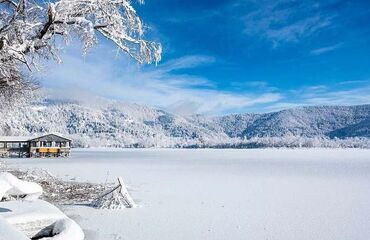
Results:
[359, 129]
[304, 121]
[116, 124]
[109, 124]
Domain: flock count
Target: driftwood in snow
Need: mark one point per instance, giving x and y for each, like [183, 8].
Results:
[116, 198]
[70, 192]
[58, 191]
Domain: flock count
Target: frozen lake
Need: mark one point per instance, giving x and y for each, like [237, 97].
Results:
[224, 194]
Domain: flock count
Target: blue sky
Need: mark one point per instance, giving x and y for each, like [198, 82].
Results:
[225, 57]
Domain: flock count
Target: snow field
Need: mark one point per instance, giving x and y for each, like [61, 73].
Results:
[224, 194]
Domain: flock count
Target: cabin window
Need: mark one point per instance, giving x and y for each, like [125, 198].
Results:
[45, 144]
[13, 145]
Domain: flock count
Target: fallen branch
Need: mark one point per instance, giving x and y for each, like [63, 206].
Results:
[116, 198]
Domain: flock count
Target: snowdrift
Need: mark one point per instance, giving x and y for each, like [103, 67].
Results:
[12, 186]
[31, 217]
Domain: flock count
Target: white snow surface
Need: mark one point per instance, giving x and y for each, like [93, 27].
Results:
[277, 194]
[9, 232]
[21, 213]
[29, 217]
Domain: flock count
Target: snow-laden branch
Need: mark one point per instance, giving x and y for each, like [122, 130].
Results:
[116, 198]
[28, 30]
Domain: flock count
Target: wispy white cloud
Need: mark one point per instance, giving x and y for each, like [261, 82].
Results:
[187, 62]
[323, 95]
[284, 20]
[320, 51]
[354, 82]
[167, 87]
[255, 86]
[341, 97]
[162, 86]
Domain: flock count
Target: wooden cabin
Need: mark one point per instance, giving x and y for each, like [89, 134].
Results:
[50, 145]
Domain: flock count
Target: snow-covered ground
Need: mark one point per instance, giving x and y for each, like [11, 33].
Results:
[224, 194]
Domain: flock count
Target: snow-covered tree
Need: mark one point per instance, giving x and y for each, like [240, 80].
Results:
[29, 30]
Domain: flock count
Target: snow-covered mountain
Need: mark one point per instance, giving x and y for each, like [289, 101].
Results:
[118, 124]
[109, 123]
[304, 121]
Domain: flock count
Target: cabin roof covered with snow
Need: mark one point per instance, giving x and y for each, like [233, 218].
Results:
[15, 138]
[50, 137]
[32, 138]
